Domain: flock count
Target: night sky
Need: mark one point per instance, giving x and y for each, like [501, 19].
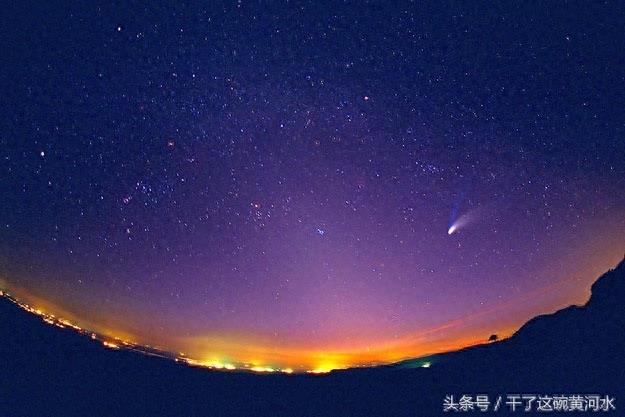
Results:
[305, 184]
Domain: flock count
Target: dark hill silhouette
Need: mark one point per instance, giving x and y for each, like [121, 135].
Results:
[576, 348]
[47, 371]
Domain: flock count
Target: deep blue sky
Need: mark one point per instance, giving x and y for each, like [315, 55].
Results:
[284, 176]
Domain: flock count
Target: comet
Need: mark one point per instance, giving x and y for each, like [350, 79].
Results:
[456, 222]
[459, 223]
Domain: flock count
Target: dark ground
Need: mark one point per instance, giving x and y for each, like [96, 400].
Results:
[48, 371]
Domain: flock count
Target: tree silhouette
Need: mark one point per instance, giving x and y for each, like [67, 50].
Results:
[493, 338]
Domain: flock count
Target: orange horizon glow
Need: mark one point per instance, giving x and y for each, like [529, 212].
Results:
[258, 353]
[263, 359]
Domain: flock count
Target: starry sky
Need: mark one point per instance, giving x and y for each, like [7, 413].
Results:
[310, 184]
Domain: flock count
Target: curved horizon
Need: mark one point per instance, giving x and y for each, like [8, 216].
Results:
[256, 353]
[283, 185]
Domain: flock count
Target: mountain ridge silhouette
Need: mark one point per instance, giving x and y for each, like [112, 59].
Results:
[49, 371]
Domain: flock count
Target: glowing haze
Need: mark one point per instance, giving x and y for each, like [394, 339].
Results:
[272, 185]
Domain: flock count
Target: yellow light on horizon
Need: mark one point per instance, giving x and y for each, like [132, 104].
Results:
[323, 369]
[262, 369]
